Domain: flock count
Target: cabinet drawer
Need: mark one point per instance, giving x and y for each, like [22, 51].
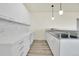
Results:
[20, 48]
[22, 53]
[19, 44]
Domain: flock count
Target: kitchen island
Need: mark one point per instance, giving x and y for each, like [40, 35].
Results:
[63, 42]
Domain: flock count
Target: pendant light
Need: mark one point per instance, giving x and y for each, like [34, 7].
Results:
[52, 12]
[60, 11]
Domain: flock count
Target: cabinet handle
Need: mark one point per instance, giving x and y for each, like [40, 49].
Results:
[21, 42]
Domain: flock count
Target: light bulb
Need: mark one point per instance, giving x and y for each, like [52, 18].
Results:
[60, 12]
[53, 18]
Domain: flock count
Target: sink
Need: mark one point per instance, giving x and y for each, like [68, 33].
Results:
[72, 36]
[64, 35]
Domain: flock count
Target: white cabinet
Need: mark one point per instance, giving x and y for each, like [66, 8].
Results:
[69, 47]
[31, 37]
[16, 46]
[19, 47]
[53, 43]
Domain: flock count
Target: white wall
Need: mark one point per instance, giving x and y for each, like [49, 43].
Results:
[42, 21]
[15, 11]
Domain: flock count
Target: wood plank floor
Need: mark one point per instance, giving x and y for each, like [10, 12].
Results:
[39, 48]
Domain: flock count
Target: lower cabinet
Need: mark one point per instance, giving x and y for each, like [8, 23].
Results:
[23, 46]
[53, 44]
[18, 48]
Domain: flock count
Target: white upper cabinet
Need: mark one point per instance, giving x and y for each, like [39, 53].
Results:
[15, 12]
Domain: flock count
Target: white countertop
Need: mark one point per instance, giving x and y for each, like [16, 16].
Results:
[10, 38]
[55, 35]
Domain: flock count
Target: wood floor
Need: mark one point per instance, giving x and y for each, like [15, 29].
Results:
[39, 48]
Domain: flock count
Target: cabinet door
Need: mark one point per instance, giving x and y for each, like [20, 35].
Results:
[31, 37]
[69, 47]
[18, 47]
[56, 46]
[48, 38]
[53, 43]
[27, 43]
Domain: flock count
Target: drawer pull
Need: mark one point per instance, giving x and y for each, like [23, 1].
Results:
[21, 42]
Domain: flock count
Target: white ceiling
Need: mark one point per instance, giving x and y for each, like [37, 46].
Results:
[46, 7]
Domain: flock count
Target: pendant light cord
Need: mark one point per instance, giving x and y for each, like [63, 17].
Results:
[60, 6]
[52, 10]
